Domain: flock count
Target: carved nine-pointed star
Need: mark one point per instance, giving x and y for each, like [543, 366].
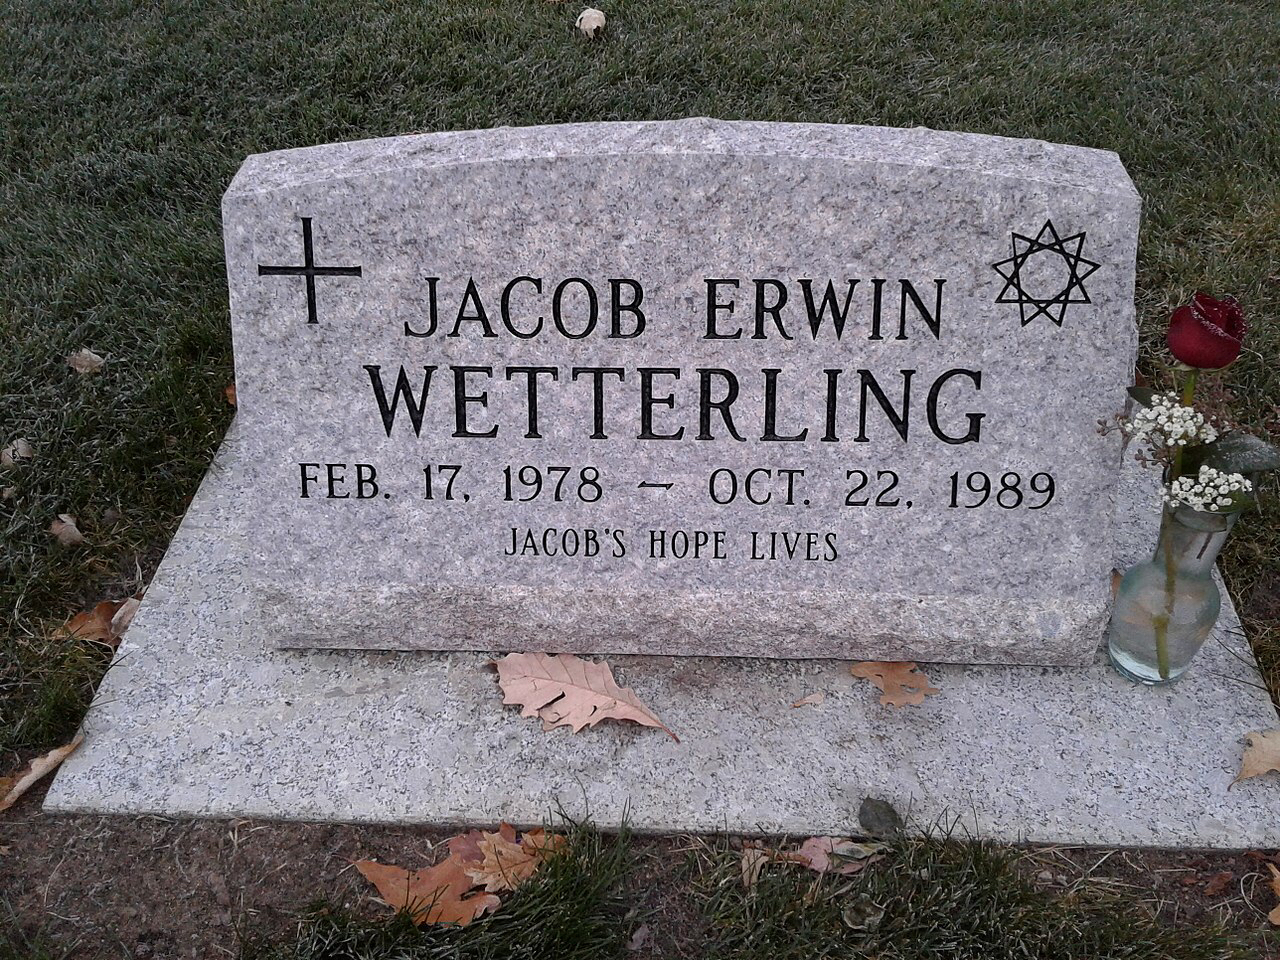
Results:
[1046, 264]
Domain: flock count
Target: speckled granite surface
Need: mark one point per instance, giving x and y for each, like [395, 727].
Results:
[201, 715]
[906, 565]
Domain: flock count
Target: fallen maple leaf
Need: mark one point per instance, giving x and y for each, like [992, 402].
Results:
[20, 449]
[812, 700]
[65, 530]
[1274, 916]
[431, 895]
[836, 854]
[506, 863]
[85, 361]
[901, 682]
[1261, 756]
[564, 690]
[11, 788]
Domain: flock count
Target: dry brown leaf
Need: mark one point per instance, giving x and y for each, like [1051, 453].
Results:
[124, 616]
[567, 691]
[229, 391]
[753, 861]
[432, 895]
[95, 625]
[1218, 884]
[637, 941]
[11, 788]
[86, 361]
[901, 682]
[20, 449]
[812, 700]
[1274, 916]
[65, 529]
[1261, 756]
[506, 864]
[466, 846]
[837, 854]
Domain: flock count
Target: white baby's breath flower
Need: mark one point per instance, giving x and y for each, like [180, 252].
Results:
[1210, 490]
[1168, 424]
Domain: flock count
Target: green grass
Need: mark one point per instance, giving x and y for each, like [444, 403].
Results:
[123, 123]
[931, 898]
[570, 910]
[935, 897]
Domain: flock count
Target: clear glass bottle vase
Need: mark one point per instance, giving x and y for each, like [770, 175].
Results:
[1166, 607]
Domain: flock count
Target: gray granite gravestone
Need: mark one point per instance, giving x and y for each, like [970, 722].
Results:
[202, 713]
[692, 387]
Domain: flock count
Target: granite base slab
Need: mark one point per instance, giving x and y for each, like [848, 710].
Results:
[201, 715]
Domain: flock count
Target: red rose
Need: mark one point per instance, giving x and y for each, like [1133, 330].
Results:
[1207, 333]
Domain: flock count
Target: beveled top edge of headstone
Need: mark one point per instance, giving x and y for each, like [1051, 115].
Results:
[1083, 168]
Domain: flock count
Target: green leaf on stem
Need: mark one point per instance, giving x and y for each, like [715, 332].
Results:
[1233, 452]
[1142, 395]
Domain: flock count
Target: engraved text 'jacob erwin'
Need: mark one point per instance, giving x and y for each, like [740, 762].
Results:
[735, 309]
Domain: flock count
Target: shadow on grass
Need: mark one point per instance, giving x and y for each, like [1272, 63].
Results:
[936, 895]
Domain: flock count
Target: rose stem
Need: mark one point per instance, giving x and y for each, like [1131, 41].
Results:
[1166, 535]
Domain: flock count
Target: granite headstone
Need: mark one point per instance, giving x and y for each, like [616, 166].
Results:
[688, 387]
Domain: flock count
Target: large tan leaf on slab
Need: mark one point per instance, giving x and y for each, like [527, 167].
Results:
[567, 691]
[11, 788]
[1261, 756]
[432, 895]
[902, 683]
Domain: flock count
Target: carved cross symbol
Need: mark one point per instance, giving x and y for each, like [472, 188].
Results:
[308, 270]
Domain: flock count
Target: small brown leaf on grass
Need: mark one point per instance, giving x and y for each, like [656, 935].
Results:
[65, 530]
[230, 393]
[901, 682]
[820, 854]
[1261, 756]
[95, 625]
[812, 700]
[505, 863]
[1274, 916]
[836, 854]
[639, 938]
[20, 449]
[85, 361]
[124, 616]
[753, 860]
[1218, 884]
[105, 623]
[11, 788]
[433, 895]
[567, 691]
